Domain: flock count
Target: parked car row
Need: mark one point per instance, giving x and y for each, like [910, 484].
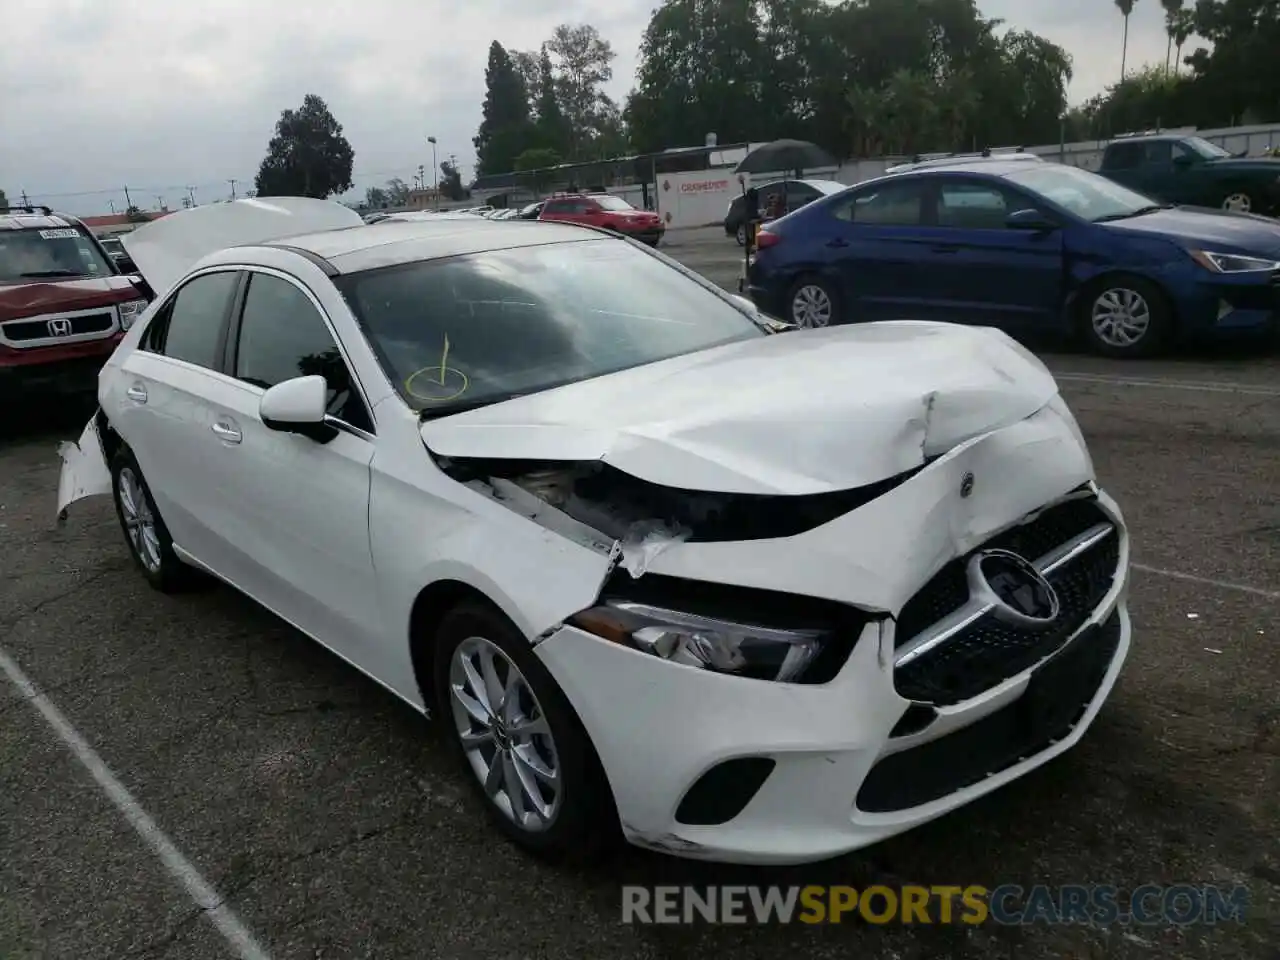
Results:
[694, 579]
[1031, 247]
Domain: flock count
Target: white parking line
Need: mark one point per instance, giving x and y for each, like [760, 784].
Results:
[180, 868]
[1209, 582]
[1248, 389]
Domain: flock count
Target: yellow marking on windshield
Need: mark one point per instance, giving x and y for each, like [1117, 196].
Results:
[449, 382]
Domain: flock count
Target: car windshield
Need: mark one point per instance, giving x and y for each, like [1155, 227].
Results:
[32, 254]
[465, 331]
[612, 203]
[1085, 194]
[1210, 151]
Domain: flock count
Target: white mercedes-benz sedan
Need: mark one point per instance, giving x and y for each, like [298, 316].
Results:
[664, 568]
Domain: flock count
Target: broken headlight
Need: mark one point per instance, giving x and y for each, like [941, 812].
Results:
[763, 653]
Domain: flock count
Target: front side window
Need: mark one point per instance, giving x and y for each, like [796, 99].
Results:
[193, 320]
[616, 204]
[283, 336]
[50, 253]
[974, 206]
[1207, 150]
[470, 330]
[1085, 194]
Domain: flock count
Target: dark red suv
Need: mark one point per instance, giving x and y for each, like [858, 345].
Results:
[64, 305]
[606, 211]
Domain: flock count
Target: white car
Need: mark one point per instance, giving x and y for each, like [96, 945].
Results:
[666, 572]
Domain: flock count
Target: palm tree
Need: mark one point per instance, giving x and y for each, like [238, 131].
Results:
[1126, 8]
[1184, 25]
[1172, 13]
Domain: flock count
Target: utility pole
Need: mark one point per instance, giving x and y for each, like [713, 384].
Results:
[233, 188]
[435, 171]
[191, 195]
[25, 201]
[128, 201]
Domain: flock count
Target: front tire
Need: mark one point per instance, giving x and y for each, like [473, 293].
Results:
[523, 748]
[1240, 201]
[1126, 317]
[144, 530]
[813, 303]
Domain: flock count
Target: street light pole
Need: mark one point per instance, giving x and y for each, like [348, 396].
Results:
[435, 171]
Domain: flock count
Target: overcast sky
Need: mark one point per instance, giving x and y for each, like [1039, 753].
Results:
[157, 94]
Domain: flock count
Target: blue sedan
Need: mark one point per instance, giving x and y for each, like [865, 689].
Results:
[1026, 247]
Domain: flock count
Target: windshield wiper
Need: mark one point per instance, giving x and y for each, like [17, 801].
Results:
[35, 274]
[1152, 208]
[449, 409]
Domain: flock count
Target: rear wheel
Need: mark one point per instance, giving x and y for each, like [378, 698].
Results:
[144, 528]
[1126, 317]
[813, 303]
[1239, 201]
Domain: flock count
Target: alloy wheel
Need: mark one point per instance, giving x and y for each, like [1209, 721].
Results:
[505, 734]
[811, 306]
[139, 521]
[1121, 317]
[1238, 203]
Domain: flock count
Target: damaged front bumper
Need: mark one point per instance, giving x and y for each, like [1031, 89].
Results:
[706, 764]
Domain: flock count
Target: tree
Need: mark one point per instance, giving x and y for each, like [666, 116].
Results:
[397, 192]
[527, 65]
[535, 161]
[451, 180]
[583, 62]
[4, 200]
[375, 198]
[553, 128]
[505, 130]
[1126, 8]
[308, 156]
[1172, 10]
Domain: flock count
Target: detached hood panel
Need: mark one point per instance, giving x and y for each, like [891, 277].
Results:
[164, 250]
[795, 413]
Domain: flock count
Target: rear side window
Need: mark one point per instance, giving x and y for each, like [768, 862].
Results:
[888, 205]
[1122, 156]
[558, 206]
[282, 336]
[191, 324]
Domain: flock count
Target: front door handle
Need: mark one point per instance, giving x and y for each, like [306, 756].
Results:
[945, 249]
[226, 431]
[838, 242]
[137, 393]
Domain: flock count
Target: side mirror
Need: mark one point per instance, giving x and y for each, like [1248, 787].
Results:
[745, 303]
[298, 406]
[1030, 219]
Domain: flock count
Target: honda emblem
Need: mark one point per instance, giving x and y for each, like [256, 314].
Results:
[60, 327]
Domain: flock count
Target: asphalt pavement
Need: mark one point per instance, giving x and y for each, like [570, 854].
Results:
[253, 786]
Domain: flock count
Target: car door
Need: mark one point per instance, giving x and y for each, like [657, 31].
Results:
[1124, 163]
[163, 411]
[294, 511]
[1158, 176]
[874, 242]
[985, 272]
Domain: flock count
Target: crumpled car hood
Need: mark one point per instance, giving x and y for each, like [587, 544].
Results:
[796, 413]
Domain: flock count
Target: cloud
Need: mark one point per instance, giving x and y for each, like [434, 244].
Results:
[157, 95]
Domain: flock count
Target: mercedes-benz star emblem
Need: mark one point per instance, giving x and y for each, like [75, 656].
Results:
[966, 485]
[1017, 590]
[60, 327]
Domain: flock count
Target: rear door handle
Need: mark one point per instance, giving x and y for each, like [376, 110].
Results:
[837, 243]
[944, 249]
[226, 431]
[137, 393]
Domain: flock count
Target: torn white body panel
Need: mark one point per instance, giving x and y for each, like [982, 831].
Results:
[165, 249]
[878, 556]
[84, 469]
[789, 414]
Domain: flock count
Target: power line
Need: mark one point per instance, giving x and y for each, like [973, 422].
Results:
[403, 172]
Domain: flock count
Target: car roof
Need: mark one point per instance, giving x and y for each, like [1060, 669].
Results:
[391, 242]
[35, 221]
[995, 168]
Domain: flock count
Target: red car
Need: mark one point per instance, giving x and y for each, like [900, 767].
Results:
[607, 211]
[64, 305]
